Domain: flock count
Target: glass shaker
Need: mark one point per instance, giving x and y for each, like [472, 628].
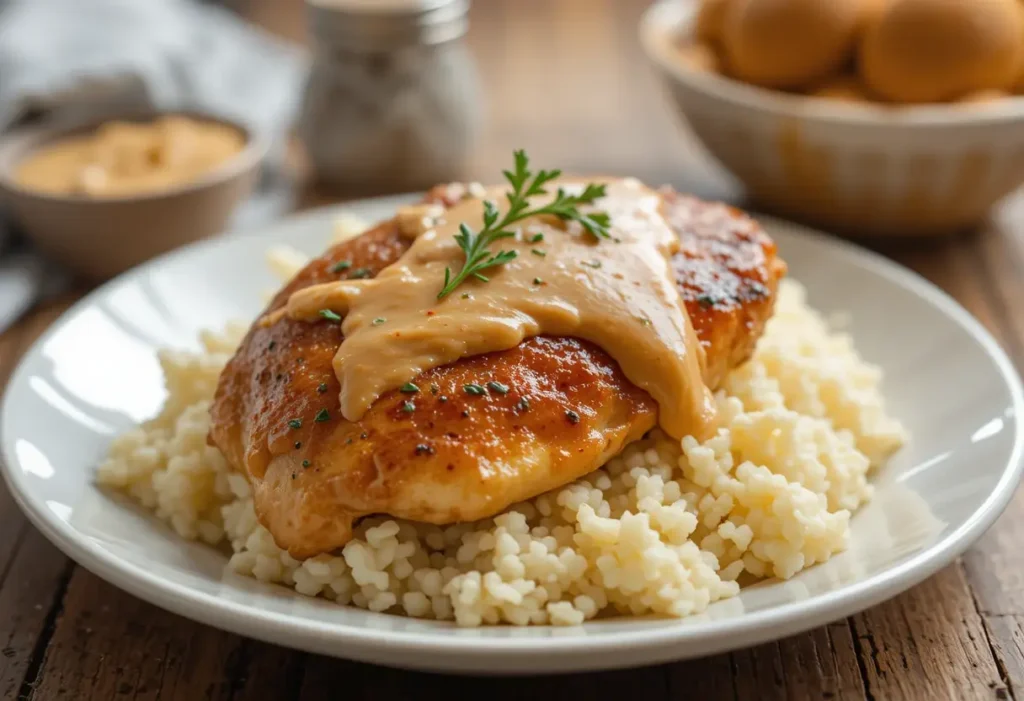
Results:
[392, 100]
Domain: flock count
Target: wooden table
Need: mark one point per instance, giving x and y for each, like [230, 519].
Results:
[566, 80]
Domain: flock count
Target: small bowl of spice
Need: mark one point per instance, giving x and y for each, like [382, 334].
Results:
[103, 196]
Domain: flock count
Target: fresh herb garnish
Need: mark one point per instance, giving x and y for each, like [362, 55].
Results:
[592, 264]
[329, 315]
[497, 387]
[321, 388]
[474, 389]
[298, 444]
[706, 301]
[537, 252]
[523, 404]
[306, 463]
[295, 423]
[409, 388]
[408, 407]
[341, 266]
[537, 281]
[322, 415]
[536, 238]
[573, 417]
[379, 320]
[525, 184]
[360, 273]
[272, 345]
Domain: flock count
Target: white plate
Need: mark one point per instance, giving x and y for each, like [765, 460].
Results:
[94, 374]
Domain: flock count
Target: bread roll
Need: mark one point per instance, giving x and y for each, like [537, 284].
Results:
[789, 44]
[937, 50]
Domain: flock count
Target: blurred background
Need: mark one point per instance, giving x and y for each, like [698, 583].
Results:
[130, 127]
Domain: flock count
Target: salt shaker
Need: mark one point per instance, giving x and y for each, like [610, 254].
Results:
[392, 100]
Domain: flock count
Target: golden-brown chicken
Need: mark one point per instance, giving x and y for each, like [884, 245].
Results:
[459, 456]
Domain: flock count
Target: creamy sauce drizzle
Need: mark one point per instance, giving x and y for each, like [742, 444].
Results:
[620, 295]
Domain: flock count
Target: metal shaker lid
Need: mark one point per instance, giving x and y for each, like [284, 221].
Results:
[384, 25]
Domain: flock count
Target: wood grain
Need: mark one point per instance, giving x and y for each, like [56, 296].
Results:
[588, 103]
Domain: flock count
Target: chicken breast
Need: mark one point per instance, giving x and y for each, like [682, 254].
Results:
[557, 408]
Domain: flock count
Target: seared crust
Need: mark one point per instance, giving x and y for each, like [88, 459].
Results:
[459, 456]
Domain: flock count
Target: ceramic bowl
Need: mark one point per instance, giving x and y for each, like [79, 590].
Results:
[860, 169]
[98, 238]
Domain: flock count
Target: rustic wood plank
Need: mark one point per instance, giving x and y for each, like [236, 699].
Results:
[820, 664]
[36, 578]
[322, 674]
[1006, 634]
[33, 573]
[108, 644]
[928, 643]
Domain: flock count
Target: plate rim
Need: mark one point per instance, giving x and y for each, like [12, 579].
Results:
[563, 653]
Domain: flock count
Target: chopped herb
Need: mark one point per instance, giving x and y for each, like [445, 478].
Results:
[595, 264]
[497, 387]
[379, 320]
[536, 238]
[293, 475]
[474, 389]
[348, 442]
[408, 407]
[434, 389]
[424, 449]
[573, 417]
[442, 399]
[298, 444]
[537, 252]
[409, 388]
[465, 413]
[305, 463]
[466, 295]
[644, 321]
[706, 301]
[537, 281]
[329, 315]
[341, 266]
[360, 273]
[272, 345]
[295, 423]
[525, 184]
[321, 388]
[322, 415]
[523, 404]
[364, 435]
[300, 361]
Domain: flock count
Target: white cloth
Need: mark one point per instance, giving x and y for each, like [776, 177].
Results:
[80, 58]
[83, 59]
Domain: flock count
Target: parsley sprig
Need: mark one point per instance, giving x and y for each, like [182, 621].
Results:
[525, 184]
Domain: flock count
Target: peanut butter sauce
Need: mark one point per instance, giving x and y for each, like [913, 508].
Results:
[619, 294]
